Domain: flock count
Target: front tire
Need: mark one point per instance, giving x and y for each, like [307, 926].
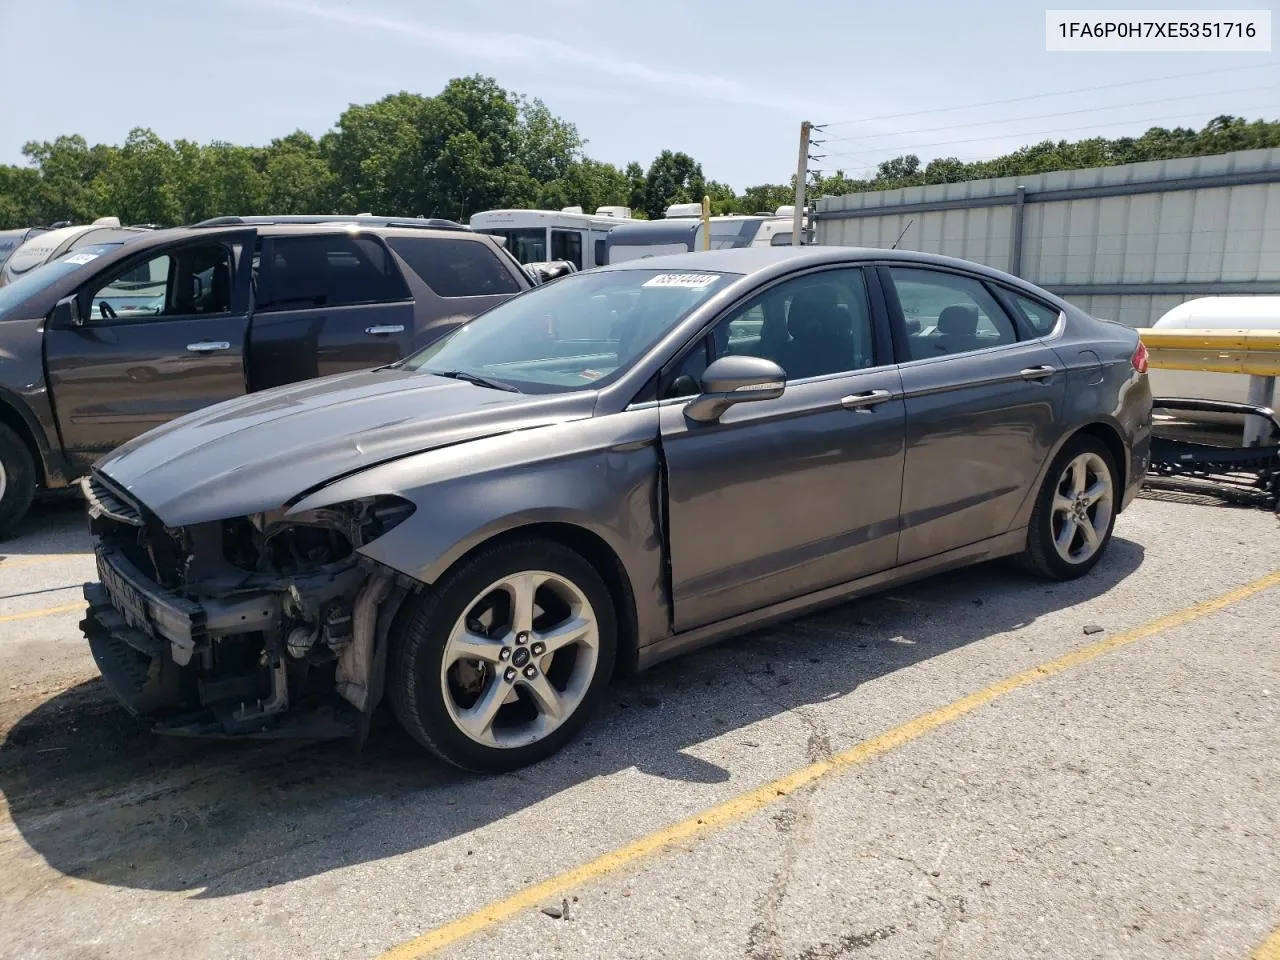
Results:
[504, 660]
[17, 479]
[1075, 511]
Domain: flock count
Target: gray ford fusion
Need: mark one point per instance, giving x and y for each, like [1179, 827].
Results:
[595, 475]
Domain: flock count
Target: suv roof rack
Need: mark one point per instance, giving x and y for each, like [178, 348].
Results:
[421, 223]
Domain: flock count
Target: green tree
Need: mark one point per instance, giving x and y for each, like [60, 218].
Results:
[296, 176]
[635, 188]
[140, 184]
[672, 178]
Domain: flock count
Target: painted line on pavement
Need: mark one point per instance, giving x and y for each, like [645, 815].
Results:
[744, 805]
[1268, 949]
[46, 612]
[14, 561]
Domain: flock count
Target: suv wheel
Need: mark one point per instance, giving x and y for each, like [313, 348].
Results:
[503, 662]
[1075, 511]
[17, 479]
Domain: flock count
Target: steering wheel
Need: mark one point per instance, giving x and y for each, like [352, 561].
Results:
[107, 311]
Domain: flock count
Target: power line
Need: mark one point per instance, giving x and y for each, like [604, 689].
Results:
[1024, 133]
[1040, 96]
[1044, 116]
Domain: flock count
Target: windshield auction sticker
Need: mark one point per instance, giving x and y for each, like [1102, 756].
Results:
[81, 258]
[689, 281]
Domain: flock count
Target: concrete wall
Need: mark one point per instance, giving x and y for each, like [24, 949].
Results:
[1125, 242]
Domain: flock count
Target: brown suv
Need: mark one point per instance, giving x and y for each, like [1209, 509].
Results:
[107, 342]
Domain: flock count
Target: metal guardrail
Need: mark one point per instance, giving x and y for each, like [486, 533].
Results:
[1252, 352]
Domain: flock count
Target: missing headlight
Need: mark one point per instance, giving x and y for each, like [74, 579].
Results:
[289, 544]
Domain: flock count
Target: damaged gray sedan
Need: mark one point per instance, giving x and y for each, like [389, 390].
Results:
[605, 471]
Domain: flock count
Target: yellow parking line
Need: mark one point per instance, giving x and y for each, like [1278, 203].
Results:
[740, 807]
[12, 562]
[46, 612]
[1269, 949]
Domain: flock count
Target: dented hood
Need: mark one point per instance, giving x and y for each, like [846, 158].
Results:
[257, 452]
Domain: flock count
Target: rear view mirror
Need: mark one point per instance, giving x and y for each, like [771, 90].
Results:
[731, 380]
[66, 313]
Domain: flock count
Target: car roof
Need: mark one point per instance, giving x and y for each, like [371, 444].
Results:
[362, 219]
[750, 260]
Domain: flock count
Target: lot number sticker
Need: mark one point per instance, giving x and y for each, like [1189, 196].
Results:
[689, 281]
[81, 258]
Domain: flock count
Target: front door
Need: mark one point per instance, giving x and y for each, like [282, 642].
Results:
[982, 408]
[327, 304]
[159, 336]
[783, 497]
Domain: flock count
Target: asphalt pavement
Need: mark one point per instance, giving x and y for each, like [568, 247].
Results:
[979, 765]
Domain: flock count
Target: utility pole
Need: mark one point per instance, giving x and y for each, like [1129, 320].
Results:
[802, 174]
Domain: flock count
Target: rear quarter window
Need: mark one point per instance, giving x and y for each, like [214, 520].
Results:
[1040, 317]
[455, 268]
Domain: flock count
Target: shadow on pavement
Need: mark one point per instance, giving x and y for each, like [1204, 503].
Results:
[55, 524]
[100, 798]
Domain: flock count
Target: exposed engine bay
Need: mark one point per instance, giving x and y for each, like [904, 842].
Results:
[265, 625]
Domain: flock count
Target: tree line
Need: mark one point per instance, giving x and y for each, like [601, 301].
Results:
[476, 146]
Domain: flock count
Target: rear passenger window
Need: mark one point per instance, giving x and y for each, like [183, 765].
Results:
[330, 271]
[455, 268]
[946, 313]
[1040, 317]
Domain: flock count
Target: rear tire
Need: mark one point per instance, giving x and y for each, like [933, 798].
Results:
[1075, 511]
[502, 662]
[17, 479]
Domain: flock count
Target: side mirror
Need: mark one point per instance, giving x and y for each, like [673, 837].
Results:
[780, 240]
[66, 313]
[731, 380]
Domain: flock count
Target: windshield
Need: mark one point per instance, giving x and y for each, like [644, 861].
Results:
[577, 332]
[17, 291]
[527, 244]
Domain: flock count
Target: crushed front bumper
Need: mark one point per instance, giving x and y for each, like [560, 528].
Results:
[144, 637]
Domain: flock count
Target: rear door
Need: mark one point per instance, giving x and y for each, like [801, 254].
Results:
[160, 335]
[327, 303]
[983, 404]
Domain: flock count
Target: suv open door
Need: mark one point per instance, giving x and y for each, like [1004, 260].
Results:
[154, 337]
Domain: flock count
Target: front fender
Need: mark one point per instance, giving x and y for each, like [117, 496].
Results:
[599, 475]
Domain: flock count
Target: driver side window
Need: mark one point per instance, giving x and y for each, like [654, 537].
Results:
[185, 282]
[812, 326]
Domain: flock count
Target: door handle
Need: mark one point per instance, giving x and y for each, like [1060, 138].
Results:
[208, 346]
[385, 330]
[1042, 372]
[865, 401]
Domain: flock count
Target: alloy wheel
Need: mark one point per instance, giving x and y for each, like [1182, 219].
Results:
[520, 659]
[1083, 501]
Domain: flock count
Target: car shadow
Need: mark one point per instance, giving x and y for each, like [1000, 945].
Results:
[55, 524]
[100, 798]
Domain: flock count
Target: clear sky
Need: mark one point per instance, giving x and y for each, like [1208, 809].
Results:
[727, 81]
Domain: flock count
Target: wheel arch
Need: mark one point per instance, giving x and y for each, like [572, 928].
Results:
[1105, 432]
[602, 557]
[1110, 437]
[12, 417]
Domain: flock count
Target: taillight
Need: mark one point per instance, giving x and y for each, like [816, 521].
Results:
[1139, 359]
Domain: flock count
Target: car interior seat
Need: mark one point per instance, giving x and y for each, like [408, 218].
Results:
[820, 339]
